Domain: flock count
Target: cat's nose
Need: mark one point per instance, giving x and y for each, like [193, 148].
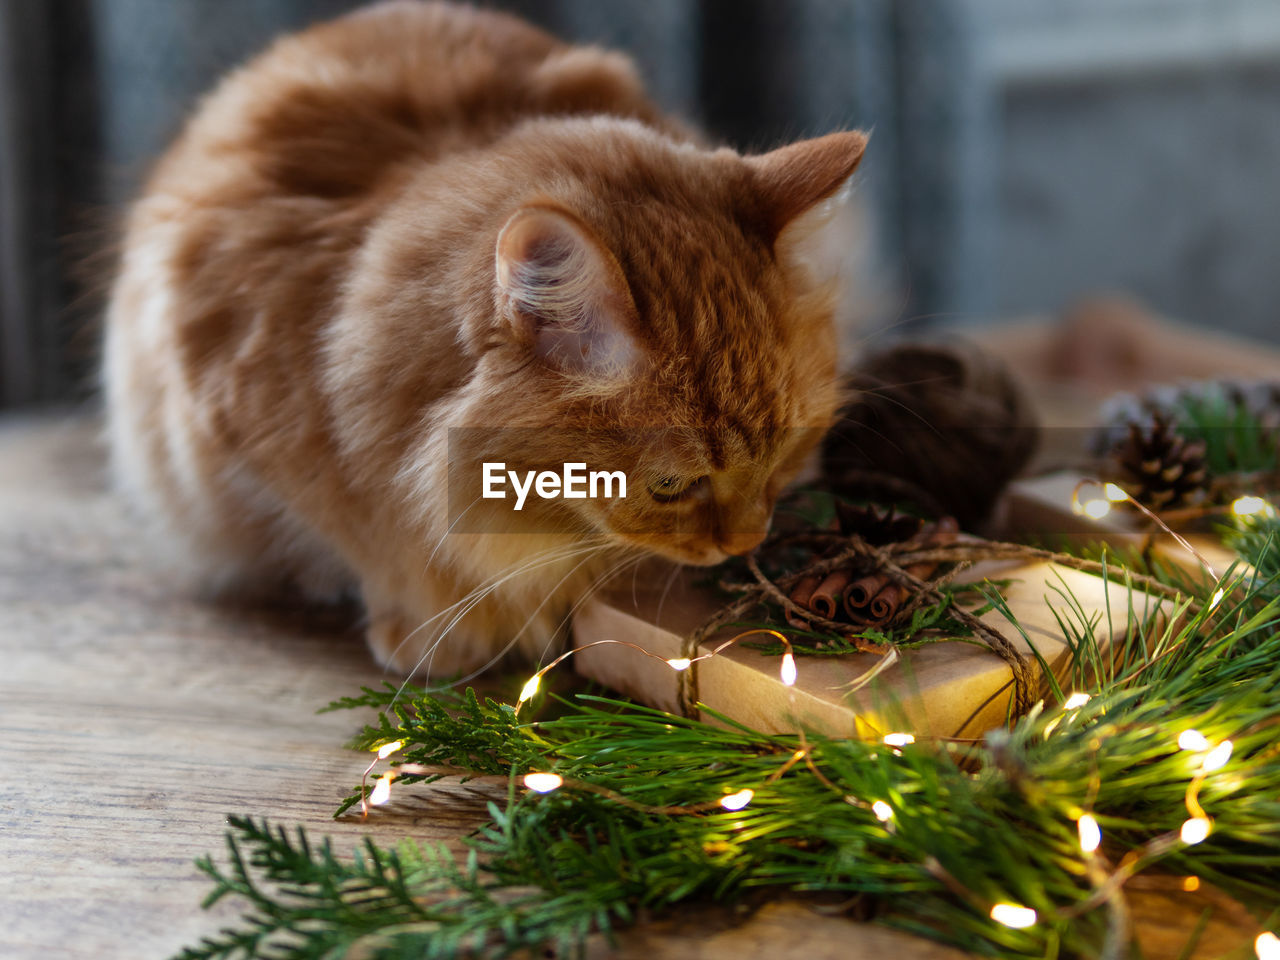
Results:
[740, 543]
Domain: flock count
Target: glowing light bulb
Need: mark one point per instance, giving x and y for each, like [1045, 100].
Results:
[1076, 701]
[1267, 946]
[529, 689]
[382, 789]
[1191, 884]
[1195, 830]
[1114, 493]
[736, 801]
[1192, 740]
[1252, 507]
[1095, 509]
[1012, 915]
[679, 663]
[899, 739]
[1217, 758]
[882, 810]
[788, 669]
[1090, 833]
[543, 782]
[387, 749]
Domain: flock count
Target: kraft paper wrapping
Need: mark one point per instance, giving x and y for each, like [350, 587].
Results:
[949, 689]
[1042, 506]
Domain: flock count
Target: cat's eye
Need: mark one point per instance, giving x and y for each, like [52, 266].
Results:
[668, 489]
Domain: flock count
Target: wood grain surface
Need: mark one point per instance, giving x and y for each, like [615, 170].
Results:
[134, 716]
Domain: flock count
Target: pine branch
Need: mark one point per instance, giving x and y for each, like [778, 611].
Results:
[929, 835]
[1258, 543]
[1237, 440]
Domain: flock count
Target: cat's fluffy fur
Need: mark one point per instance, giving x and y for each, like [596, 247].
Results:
[421, 217]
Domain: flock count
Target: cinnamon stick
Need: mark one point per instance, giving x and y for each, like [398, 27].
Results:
[874, 599]
[885, 603]
[871, 599]
[826, 596]
[800, 596]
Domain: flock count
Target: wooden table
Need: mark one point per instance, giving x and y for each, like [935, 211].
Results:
[134, 717]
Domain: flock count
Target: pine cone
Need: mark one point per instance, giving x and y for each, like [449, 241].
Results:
[1159, 468]
[1225, 400]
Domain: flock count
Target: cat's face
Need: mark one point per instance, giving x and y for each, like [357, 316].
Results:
[699, 497]
[660, 320]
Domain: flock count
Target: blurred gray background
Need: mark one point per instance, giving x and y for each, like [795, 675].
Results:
[1025, 152]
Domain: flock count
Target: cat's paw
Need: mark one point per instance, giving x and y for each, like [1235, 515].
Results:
[411, 647]
[393, 643]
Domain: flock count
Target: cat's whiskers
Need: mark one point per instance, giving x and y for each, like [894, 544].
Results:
[666, 589]
[440, 543]
[852, 442]
[736, 487]
[629, 559]
[516, 636]
[469, 603]
[878, 393]
[890, 442]
[429, 655]
[545, 558]
[485, 587]
[901, 318]
[472, 599]
[635, 572]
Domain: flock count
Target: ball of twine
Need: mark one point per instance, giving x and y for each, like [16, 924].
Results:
[945, 420]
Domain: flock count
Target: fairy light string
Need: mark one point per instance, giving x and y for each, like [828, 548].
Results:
[1096, 509]
[1212, 757]
[1107, 885]
[1106, 882]
[682, 664]
[1194, 830]
[546, 782]
[894, 567]
[1039, 827]
[893, 560]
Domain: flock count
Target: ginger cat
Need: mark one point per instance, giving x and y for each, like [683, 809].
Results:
[423, 235]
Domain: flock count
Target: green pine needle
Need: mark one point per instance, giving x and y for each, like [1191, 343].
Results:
[1236, 439]
[971, 825]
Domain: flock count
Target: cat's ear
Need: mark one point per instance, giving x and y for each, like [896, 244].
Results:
[803, 181]
[564, 294]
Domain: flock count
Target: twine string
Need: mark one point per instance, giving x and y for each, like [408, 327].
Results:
[843, 550]
[836, 550]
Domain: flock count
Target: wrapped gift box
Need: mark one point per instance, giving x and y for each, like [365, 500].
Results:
[1045, 507]
[949, 689]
